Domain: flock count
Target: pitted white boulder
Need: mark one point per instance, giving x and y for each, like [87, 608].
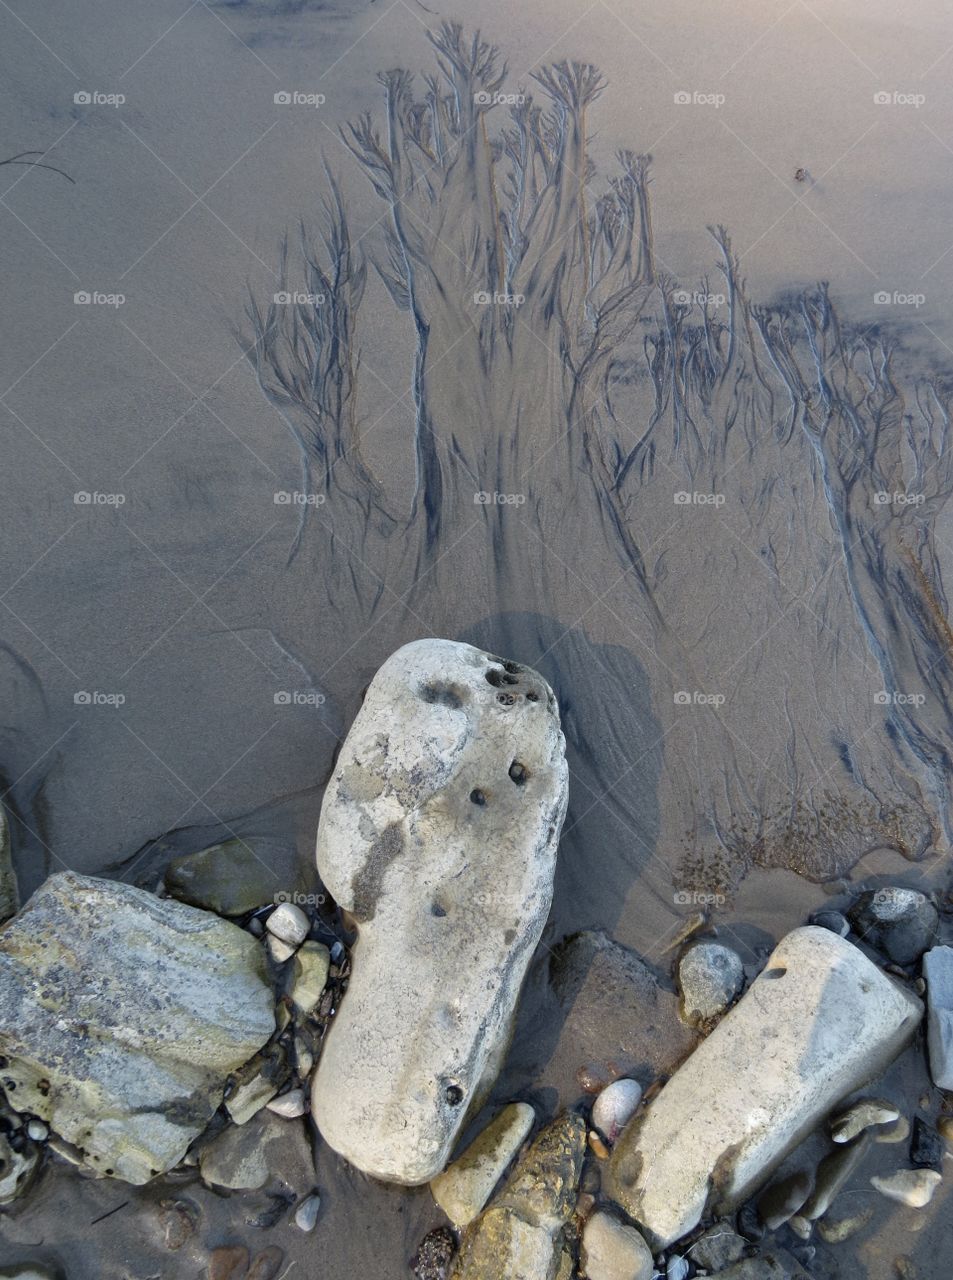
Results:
[438, 832]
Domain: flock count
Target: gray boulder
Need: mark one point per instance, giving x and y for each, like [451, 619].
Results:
[818, 1023]
[938, 971]
[438, 832]
[900, 922]
[121, 1016]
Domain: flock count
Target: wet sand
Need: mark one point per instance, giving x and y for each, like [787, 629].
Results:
[683, 442]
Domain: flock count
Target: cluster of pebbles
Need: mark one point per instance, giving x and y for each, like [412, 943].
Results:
[555, 1216]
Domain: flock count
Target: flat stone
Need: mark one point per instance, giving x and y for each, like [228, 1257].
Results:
[912, 1187]
[288, 923]
[718, 1247]
[900, 921]
[121, 1016]
[613, 1251]
[438, 832]
[938, 971]
[231, 878]
[312, 962]
[616, 1012]
[249, 1157]
[521, 1232]
[464, 1188]
[710, 975]
[826, 1020]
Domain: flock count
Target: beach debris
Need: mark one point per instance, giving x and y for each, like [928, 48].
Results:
[121, 1017]
[438, 833]
[522, 1230]
[826, 1018]
[710, 976]
[464, 1188]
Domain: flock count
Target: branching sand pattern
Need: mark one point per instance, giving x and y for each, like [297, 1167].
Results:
[748, 493]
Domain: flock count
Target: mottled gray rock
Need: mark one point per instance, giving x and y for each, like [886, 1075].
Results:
[521, 1232]
[718, 1247]
[438, 832]
[615, 1107]
[710, 975]
[826, 1020]
[268, 1148]
[901, 922]
[231, 878]
[122, 1014]
[464, 1188]
[938, 971]
[9, 894]
[613, 1251]
[617, 1013]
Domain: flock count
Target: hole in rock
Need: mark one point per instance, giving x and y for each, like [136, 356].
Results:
[518, 773]
[532, 697]
[513, 668]
[437, 910]
[477, 796]
[498, 677]
[507, 699]
[454, 1094]
[441, 695]
[774, 973]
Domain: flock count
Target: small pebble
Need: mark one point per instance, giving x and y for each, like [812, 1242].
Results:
[585, 1203]
[615, 1107]
[289, 923]
[267, 1264]
[613, 1251]
[913, 1187]
[230, 1262]
[306, 1214]
[832, 920]
[255, 927]
[801, 1227]
[945, 1127]
[836, 1231]
[432, 1260]
[676, 1268]
[899, 1131]
[926, 1149]
[597, 1146]
[289, 1105]
[337, 952]
[38, 1131]
[279, 951]
[710, 975]
[862, 1115]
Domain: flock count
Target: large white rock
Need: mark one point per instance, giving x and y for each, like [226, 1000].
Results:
[438, 832]
[122, 1014]
[818, 1023]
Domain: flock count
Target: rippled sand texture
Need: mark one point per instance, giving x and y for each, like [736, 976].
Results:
[750, 490]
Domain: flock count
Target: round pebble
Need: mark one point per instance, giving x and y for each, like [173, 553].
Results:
[710, 975]
[289, 1105]
[613, 1251]
[615, 1107]
[289, 923]
[306, 1214]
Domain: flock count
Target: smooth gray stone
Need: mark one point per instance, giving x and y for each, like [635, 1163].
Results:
[938, 971]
